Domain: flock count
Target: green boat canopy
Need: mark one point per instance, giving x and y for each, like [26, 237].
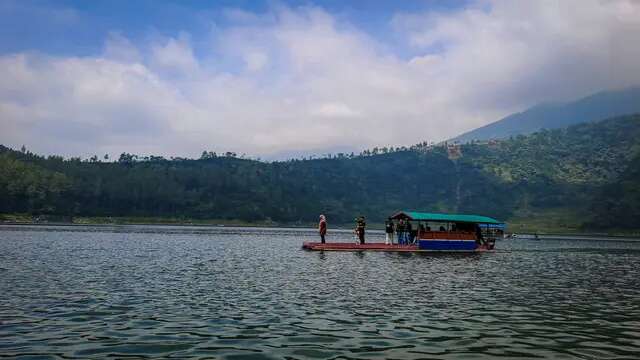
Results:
[421, 216]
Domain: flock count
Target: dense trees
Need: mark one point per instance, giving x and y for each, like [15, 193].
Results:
[617, 204]
[28, 188]
[590, 166]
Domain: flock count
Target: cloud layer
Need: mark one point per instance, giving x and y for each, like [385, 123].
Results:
[299, 80]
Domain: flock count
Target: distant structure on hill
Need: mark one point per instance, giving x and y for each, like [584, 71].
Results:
[558, 115]
[454, 151]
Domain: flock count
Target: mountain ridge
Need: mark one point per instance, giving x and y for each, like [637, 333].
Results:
[598, 106]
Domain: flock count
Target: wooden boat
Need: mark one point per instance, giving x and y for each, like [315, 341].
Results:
[456, 233]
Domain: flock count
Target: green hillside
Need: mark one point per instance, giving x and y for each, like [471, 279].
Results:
[579, 178]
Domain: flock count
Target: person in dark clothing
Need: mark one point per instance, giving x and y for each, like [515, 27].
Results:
[409, 233]
[360, 225]
[322, 228]
[388, 229]
[400, 232]
[479, 237]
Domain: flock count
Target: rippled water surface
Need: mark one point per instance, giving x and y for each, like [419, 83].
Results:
[224, 293]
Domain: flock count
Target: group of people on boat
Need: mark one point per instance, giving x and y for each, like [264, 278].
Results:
[404, 230]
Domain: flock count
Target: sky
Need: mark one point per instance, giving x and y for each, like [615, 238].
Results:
[275, 79]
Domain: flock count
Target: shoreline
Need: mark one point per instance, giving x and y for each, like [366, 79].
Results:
[244, 224]
[23, 220]
[211, 226]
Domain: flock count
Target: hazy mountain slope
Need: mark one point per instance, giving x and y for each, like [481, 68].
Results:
[551, 116]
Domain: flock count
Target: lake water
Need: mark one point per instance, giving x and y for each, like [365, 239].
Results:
[228, 293]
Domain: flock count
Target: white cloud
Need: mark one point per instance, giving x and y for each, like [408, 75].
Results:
[525, 52]
[256, 60]
[175, 56]
[299, 80]
[336, 110]
[119, 48]
[85, 105]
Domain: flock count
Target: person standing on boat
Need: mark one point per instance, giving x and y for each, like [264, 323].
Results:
[322, 228]
[408, 231]
[388, 229]
[400, 231]
[360, 225]
[479, 237]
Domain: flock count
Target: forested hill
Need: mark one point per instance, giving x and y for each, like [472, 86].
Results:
[586, 175]
[595, 107]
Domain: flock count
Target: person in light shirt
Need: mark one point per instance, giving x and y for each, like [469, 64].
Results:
[322, 228]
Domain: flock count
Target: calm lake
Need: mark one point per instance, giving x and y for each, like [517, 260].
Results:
[230, 293]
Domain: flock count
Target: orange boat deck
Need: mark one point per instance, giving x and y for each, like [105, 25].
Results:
[356, 247]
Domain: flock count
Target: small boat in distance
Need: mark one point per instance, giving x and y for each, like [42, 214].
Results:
[525, 236]
[432, 232]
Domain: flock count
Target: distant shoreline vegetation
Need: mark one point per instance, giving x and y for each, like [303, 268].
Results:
[26, 219]
[585, 178]
[126, 220]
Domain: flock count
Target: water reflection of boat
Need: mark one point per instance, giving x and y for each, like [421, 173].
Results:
[455, 233]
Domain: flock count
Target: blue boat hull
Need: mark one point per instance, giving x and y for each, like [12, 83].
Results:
[447, 245]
